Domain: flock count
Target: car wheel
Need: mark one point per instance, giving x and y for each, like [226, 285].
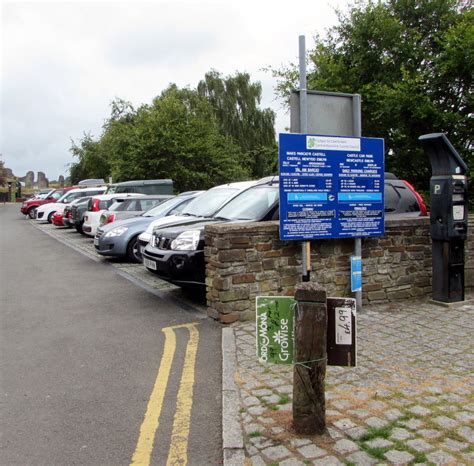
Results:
[32, 212]
[132, 250]
[50, 217]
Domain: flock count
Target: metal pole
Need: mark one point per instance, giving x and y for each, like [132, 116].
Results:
[357, 129]
[305, 245]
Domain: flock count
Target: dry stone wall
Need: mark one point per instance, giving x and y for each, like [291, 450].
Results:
[248, 259]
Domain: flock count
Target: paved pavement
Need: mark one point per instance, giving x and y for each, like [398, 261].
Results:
[94, 369]
[409, 401]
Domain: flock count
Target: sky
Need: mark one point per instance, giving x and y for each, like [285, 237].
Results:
[62, 63]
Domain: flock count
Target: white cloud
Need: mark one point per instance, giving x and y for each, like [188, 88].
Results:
[63, 62]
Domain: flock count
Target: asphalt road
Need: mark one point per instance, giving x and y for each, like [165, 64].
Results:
[91, 372]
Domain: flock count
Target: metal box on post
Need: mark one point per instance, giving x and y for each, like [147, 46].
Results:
[448, 217]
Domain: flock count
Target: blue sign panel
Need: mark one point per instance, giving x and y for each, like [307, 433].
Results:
[330, 187]
[356, 273]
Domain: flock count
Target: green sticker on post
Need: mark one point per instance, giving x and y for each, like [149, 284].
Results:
[275, 329]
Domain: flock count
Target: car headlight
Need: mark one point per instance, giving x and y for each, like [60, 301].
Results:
[119, 231]
[145, 237]
[186, 241]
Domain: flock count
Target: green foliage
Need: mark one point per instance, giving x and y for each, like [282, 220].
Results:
[234, 101]
[412, 62]
[183, 135]
[92, 161]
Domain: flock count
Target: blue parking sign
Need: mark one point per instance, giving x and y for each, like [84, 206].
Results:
[330, 187]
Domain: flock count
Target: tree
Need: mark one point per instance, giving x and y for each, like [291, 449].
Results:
[174, 137]
[92, 161]
[198, 137]
[412, 62]
[235, 103]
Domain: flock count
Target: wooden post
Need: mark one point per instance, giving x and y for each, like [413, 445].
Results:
[309, 407]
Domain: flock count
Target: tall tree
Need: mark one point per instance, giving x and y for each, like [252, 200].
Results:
[199, 137]
[174, 137]
[235, 102]
[412, 62]
[91, 162]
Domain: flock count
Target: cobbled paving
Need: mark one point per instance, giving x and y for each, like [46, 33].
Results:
[409, 401]
[86, 245]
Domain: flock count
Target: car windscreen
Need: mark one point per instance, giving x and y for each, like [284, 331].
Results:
[56, 195]
[163, 207]
[123, 205]
[252, 204]
[80, 201]
[209, 202]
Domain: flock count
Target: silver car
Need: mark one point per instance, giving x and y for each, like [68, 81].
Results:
[124, 208]
[119, 239]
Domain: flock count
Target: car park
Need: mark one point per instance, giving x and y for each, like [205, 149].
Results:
[67, 214]
[176, 253]
[45, 212]
[203, 206]
[124, 208]
[96, 206]
[119, 239]
[30, 206]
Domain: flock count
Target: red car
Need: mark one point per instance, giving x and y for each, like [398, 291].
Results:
[29, 207]
[57, 219]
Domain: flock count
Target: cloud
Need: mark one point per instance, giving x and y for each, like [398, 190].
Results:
[63, 63]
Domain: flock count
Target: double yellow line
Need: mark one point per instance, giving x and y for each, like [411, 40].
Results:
[179, 437]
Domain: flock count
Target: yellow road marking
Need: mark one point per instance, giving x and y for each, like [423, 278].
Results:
[150, 423]
[182, 419]
[178, 453]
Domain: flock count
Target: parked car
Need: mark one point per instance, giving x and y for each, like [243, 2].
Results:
[176, 253]
[401, 198]
[29, 207]
[96, 206]
[78, 211]
[124, 208]
[41, 194]
[203, 206]
[67, 214]
[143, 187]
[45, 212]
[119, 239]
[57, 219]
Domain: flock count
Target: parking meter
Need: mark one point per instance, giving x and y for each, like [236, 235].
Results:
[448, 217]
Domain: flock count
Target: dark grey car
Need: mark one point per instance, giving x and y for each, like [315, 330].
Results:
[119, 239]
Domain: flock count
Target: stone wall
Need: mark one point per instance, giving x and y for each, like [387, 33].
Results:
[246, 260]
